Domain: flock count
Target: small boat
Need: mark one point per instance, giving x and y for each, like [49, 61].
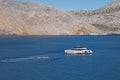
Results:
[78, 50]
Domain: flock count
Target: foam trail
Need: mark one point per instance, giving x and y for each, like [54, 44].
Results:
[25, 59]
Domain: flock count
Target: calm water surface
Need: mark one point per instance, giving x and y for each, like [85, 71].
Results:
[43, 58]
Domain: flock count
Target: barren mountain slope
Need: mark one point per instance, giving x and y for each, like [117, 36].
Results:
[106, 18]
[30, 18]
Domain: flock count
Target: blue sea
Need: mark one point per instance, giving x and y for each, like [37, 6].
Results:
[43, 58]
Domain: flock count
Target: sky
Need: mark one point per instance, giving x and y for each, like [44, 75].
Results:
[75, 4]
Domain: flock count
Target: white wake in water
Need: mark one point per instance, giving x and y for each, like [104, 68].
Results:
[37, 57]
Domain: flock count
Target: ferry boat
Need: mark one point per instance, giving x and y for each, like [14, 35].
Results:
[78, 50]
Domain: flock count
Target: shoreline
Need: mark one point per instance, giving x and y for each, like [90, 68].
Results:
[65, 35]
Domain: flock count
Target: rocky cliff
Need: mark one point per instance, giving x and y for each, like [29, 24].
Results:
[30, 18]
[106, 19]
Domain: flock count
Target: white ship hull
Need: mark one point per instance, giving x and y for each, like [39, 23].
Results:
[69, 51]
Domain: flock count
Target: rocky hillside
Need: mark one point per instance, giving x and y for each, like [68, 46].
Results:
[30, 18]
[106, 19]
